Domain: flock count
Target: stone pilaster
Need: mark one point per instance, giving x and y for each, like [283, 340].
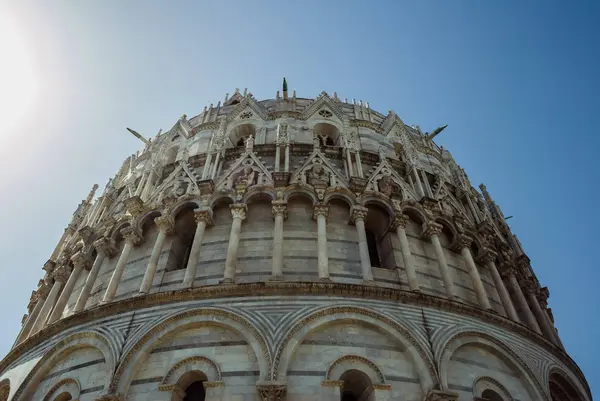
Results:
[203, 219]
[433, 231]
[279, 214]
[166, 226]
[489, 257]
[358, 215]
[399, 223]
[238, 212]
[132, 237]
[60, 276]
[80, 262]
[105, 247]
[464, 242]
[320, 212]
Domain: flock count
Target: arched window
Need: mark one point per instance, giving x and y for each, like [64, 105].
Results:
[195, 392]
[373, 250]
[357, 386]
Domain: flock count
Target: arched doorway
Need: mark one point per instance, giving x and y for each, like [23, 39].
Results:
[357, 386]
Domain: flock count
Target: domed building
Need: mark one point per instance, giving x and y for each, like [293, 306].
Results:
[289, 249]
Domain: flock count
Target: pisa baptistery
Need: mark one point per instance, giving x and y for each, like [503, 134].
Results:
[289, 249]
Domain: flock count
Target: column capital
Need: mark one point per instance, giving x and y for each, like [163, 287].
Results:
[238, 210]
[320, 209]
[165, 224]
[132, 235]
[61, 274]
[135, 206]
[204, 215]
[49, 266]
[81, 261]
[464, 241]
[279, 208]
[488, 255]
[105, 246]
[42, 292]
[441, 395]
[432, 229]
[506, 269]
[71, 229]
[358, 213]
[400, 221]
[272, 390]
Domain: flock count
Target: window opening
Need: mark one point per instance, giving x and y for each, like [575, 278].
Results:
[195, 392]
[373, 251]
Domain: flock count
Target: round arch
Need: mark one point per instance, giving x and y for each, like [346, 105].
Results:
[559, 379]
[345, 196]
[187, 202]
[4, 389]
[340, 365]
[255, 193]
[301, 329]
[142, 222]
[485, 383]
[450, 227]
[487, 341]
[65, 386]
[208, 367]
[300, 192]
[86, 339]
[138, 351]
[381, 202]
[221, 198]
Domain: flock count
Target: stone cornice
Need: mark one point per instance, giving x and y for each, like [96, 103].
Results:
[286, 289]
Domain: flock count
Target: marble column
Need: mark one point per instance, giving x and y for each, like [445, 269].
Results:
[542, 317]
[166, 226]
[419, 184]
[433, 231]
[489, 257]
[80, 262]
[203, 219]
[60, 276]
[206, 169]
[530, 319]
[39, 298]
[286, 162]
[359, 164]
[464, 241]
[132, 237]
[238, 212]
[279, 214]
[358, 215]
[400, 222]
[104, 247]
[349, 162]
[277, 158]
[320, 212]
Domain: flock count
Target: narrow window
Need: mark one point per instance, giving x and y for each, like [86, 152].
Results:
[373, 251]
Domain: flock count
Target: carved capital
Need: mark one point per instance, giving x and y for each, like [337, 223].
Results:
[62, 273]
[320, 209]
[106, 246]
[49, 266]
[238, 210]
[135, 206]
[165, 224]
[272, 390]
[204, 215]
[487, 255]
[132, 235]
[358, 213]
[81, 261]
[441, 395]
[279, 208]
[432, 229]
[464, 241]
[400, 221]
[42, 292]
[87, 234]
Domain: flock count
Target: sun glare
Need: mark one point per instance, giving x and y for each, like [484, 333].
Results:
[18, 83]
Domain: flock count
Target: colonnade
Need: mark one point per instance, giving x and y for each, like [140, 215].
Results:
[51, 301]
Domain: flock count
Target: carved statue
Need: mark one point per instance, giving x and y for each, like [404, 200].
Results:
[386, 185]
[246, 178]
[317, 176]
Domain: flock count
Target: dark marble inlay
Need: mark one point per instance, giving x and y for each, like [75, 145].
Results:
[402, 379]
[91, 389]
[460, 388]
[237, 373]
[74, 367]
[353, 344]
[146, 381]
[199, 345]
[482, 365]
[306, 373]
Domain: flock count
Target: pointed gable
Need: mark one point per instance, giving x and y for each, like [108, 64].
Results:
[323, 102]
[247, 105]
[248, 167]
[335, 178]
[384, 169]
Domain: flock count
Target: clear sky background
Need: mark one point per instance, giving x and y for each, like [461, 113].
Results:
[517, 82]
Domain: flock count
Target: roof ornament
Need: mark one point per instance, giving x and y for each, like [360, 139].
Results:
[435, 132]
[285, 89]
[139, 136]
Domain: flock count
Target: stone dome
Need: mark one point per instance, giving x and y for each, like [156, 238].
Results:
[293, 249]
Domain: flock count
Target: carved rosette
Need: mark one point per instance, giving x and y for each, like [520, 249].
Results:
[204, 215]
[271, 391]
[320, 209]
[165, 224]
[238, 210]
[279, 208]
[106, 246]
[358, 213]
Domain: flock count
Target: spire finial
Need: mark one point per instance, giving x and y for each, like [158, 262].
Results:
[285, 89]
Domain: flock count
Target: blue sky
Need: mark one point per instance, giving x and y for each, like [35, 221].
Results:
[516, 82]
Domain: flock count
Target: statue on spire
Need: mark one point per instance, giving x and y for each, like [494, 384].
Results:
[285, 89]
